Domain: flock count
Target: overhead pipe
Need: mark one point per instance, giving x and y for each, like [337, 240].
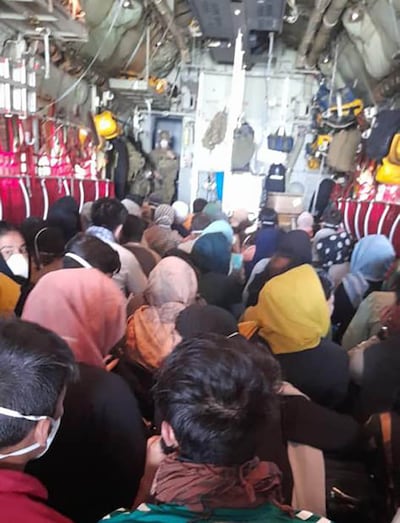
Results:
[329, 22]
[169, 21]
[312, 27]
[387, 87]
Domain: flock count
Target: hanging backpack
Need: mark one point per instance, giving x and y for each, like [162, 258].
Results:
[343, 150]
[243, 147]
[275, 179]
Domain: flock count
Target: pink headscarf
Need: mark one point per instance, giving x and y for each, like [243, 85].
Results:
[84, 307]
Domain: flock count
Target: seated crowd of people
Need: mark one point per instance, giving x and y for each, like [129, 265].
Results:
[161, 365]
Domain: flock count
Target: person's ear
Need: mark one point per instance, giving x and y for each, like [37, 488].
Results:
[168, 435]
[41, 432]
[117, 232]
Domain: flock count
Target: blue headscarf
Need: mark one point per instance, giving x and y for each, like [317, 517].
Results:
[372, 257]
[212, 253]
[220, 226]
[266, 243]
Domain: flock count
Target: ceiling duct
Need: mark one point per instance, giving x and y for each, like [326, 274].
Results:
[31, 18]
[264, 15]
[215, 18]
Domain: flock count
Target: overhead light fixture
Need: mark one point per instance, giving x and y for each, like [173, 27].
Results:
[237, 12]
[355, 14]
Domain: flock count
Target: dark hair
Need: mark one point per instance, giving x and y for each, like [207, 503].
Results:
[217, 390]
[29, 228]
[44, 244]
[277, 265]
[396, 287]
[332, 216]
[108, 213]
[217, 394]
[326, 282]
[64, 214]
[6, 227]
[268, 217]
[35, 366]
[137, 198]
[199, 204]
[132, 230]
[297, 246]
[197, 319]
[96, 252]
[200, 221]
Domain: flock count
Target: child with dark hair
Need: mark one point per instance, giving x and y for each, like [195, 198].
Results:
[214, 395]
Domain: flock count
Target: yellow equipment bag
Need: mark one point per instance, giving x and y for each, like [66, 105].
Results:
[388, 173]
[394, 152]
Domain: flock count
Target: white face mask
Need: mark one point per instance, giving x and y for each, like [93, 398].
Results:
[55, 425]
[164, 144]
[79, 260]
[18, 265]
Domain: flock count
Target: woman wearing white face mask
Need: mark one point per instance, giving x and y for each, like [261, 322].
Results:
[14, 268]
[36, 367]
[14, 254]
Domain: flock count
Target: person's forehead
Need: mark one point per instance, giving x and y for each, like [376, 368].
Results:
[11, 238]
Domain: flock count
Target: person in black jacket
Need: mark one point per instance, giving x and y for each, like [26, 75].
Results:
[97, 459]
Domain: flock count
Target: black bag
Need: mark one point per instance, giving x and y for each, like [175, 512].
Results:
[386, 125]
[275, 180]
[351, 492]
[384, 430]
[139, 379]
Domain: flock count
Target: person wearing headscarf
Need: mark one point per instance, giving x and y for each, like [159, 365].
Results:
[200, 222]
[332, 245]
[91, 307]
[132, 207]
[14, 266]
[181, 213]
[160, 237]
[151, 333]
[86, 309]
[372, 257]
[266, 242]
[293, 318]
[294, 249]
[198, 319]
[305, 222]
[220, 226]
[214, 211]
[211, 254]
[64, 214]
[378, 309]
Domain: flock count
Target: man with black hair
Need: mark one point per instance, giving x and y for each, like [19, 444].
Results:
[214, 395]
[108, 218]
[35, 369]
[131, 239]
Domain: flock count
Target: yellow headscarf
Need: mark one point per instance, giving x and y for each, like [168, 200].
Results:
[292, 313]
[9, 294]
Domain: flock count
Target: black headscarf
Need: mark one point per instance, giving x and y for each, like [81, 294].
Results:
[64, 214]
[198, 319]
[296, 246]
